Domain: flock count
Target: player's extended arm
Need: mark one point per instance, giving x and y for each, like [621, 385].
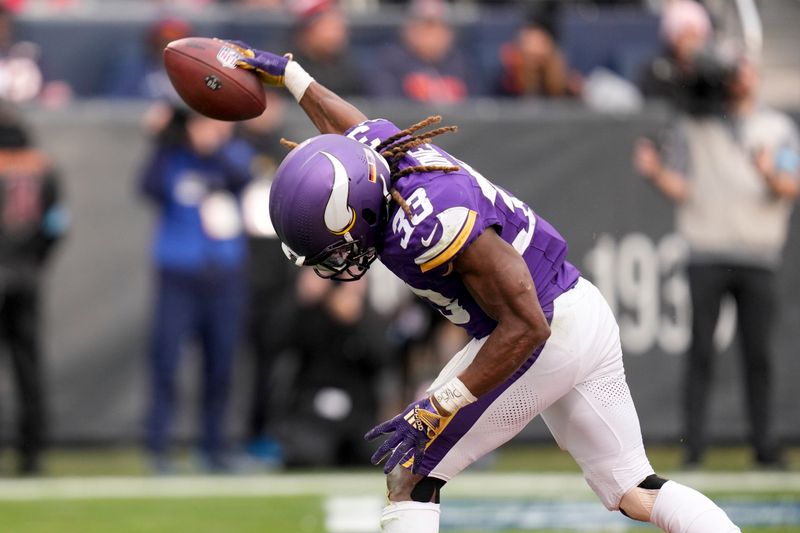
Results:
[328, 111]
[500, 281]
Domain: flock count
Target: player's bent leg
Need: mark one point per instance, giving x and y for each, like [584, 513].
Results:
[601, 432]
[413, 503]
[638, 502]
[499, 415]
[597, 423]
[403, 485]
[676, 508]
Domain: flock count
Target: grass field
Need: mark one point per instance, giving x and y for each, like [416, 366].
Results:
[124, 461]
[298, 514]
[193, 515]
[108, 492]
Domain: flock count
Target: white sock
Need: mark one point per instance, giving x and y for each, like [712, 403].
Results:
[410, 517]
[680, 509]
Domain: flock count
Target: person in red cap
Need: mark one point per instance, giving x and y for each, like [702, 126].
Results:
[321, 43]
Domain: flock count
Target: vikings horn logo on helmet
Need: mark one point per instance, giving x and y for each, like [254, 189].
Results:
[339, 218]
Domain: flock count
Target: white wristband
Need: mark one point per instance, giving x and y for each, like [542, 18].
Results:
[296, 79]
[453, 395]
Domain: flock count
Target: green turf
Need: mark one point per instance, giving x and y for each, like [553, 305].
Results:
[281, 514]
[663, 458]
[195, 515]
[126, 461]
[191, 515]
[650, 530]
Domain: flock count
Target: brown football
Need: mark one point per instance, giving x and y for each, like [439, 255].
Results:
[204, 73]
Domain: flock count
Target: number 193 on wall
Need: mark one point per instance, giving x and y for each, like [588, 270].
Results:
[645, 284]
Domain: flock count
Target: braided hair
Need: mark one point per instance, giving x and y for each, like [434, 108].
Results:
[395, 147]
[394, 150]
[291, 145]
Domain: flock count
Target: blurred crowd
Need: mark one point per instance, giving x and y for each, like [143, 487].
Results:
[430, 57]
[593, 51]
[66, 5]
[328, 359]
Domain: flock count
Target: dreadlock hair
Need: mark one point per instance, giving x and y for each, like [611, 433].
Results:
[291, 145]
[395, 147]
[394, 150]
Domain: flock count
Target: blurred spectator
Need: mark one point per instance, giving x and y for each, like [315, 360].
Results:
[195, 176]
[424, 340]
[426, 67]
[492, 3]
[189, 4]
[140, 73]
[333, 398]
[690, 73]
[734, 178]
[17, 6]
[256, 4]
[533, 65]
[21, 78]
[32, 220]
[271, 279]
[321, 46]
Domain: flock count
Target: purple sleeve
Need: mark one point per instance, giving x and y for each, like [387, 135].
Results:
[447, 216]
[372, 132]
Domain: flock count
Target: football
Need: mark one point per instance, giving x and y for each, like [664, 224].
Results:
[204, 73]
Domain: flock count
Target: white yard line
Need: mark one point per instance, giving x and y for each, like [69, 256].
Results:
[483, 485]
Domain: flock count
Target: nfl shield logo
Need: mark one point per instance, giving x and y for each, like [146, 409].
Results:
[228, 57]
[213, 83]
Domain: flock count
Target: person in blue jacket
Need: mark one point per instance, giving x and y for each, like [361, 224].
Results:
[195, 175]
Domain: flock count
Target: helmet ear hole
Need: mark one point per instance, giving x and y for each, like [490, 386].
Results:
[369, 216]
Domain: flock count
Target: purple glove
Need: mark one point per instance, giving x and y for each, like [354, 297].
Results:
[411, 431]
[268, 66]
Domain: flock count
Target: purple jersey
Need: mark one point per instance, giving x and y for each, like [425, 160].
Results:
[448, 212]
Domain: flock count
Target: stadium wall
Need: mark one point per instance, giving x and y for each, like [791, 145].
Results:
[571, 165]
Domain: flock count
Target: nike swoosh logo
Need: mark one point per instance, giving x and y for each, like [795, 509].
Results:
[338, 215]
[427, 242]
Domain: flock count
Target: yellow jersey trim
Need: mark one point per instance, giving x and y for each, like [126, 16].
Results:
[442, 425]
[454, 247]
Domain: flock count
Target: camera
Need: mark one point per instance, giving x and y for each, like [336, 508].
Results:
[705, 87]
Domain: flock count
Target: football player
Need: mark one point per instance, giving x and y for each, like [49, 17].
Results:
[544, 340]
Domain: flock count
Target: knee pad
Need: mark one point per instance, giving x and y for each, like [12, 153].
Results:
[638, 502]
[427, 490]
[652, 482]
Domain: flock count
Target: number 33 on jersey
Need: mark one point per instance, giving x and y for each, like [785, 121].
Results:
[447, 236]
[443, 214]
